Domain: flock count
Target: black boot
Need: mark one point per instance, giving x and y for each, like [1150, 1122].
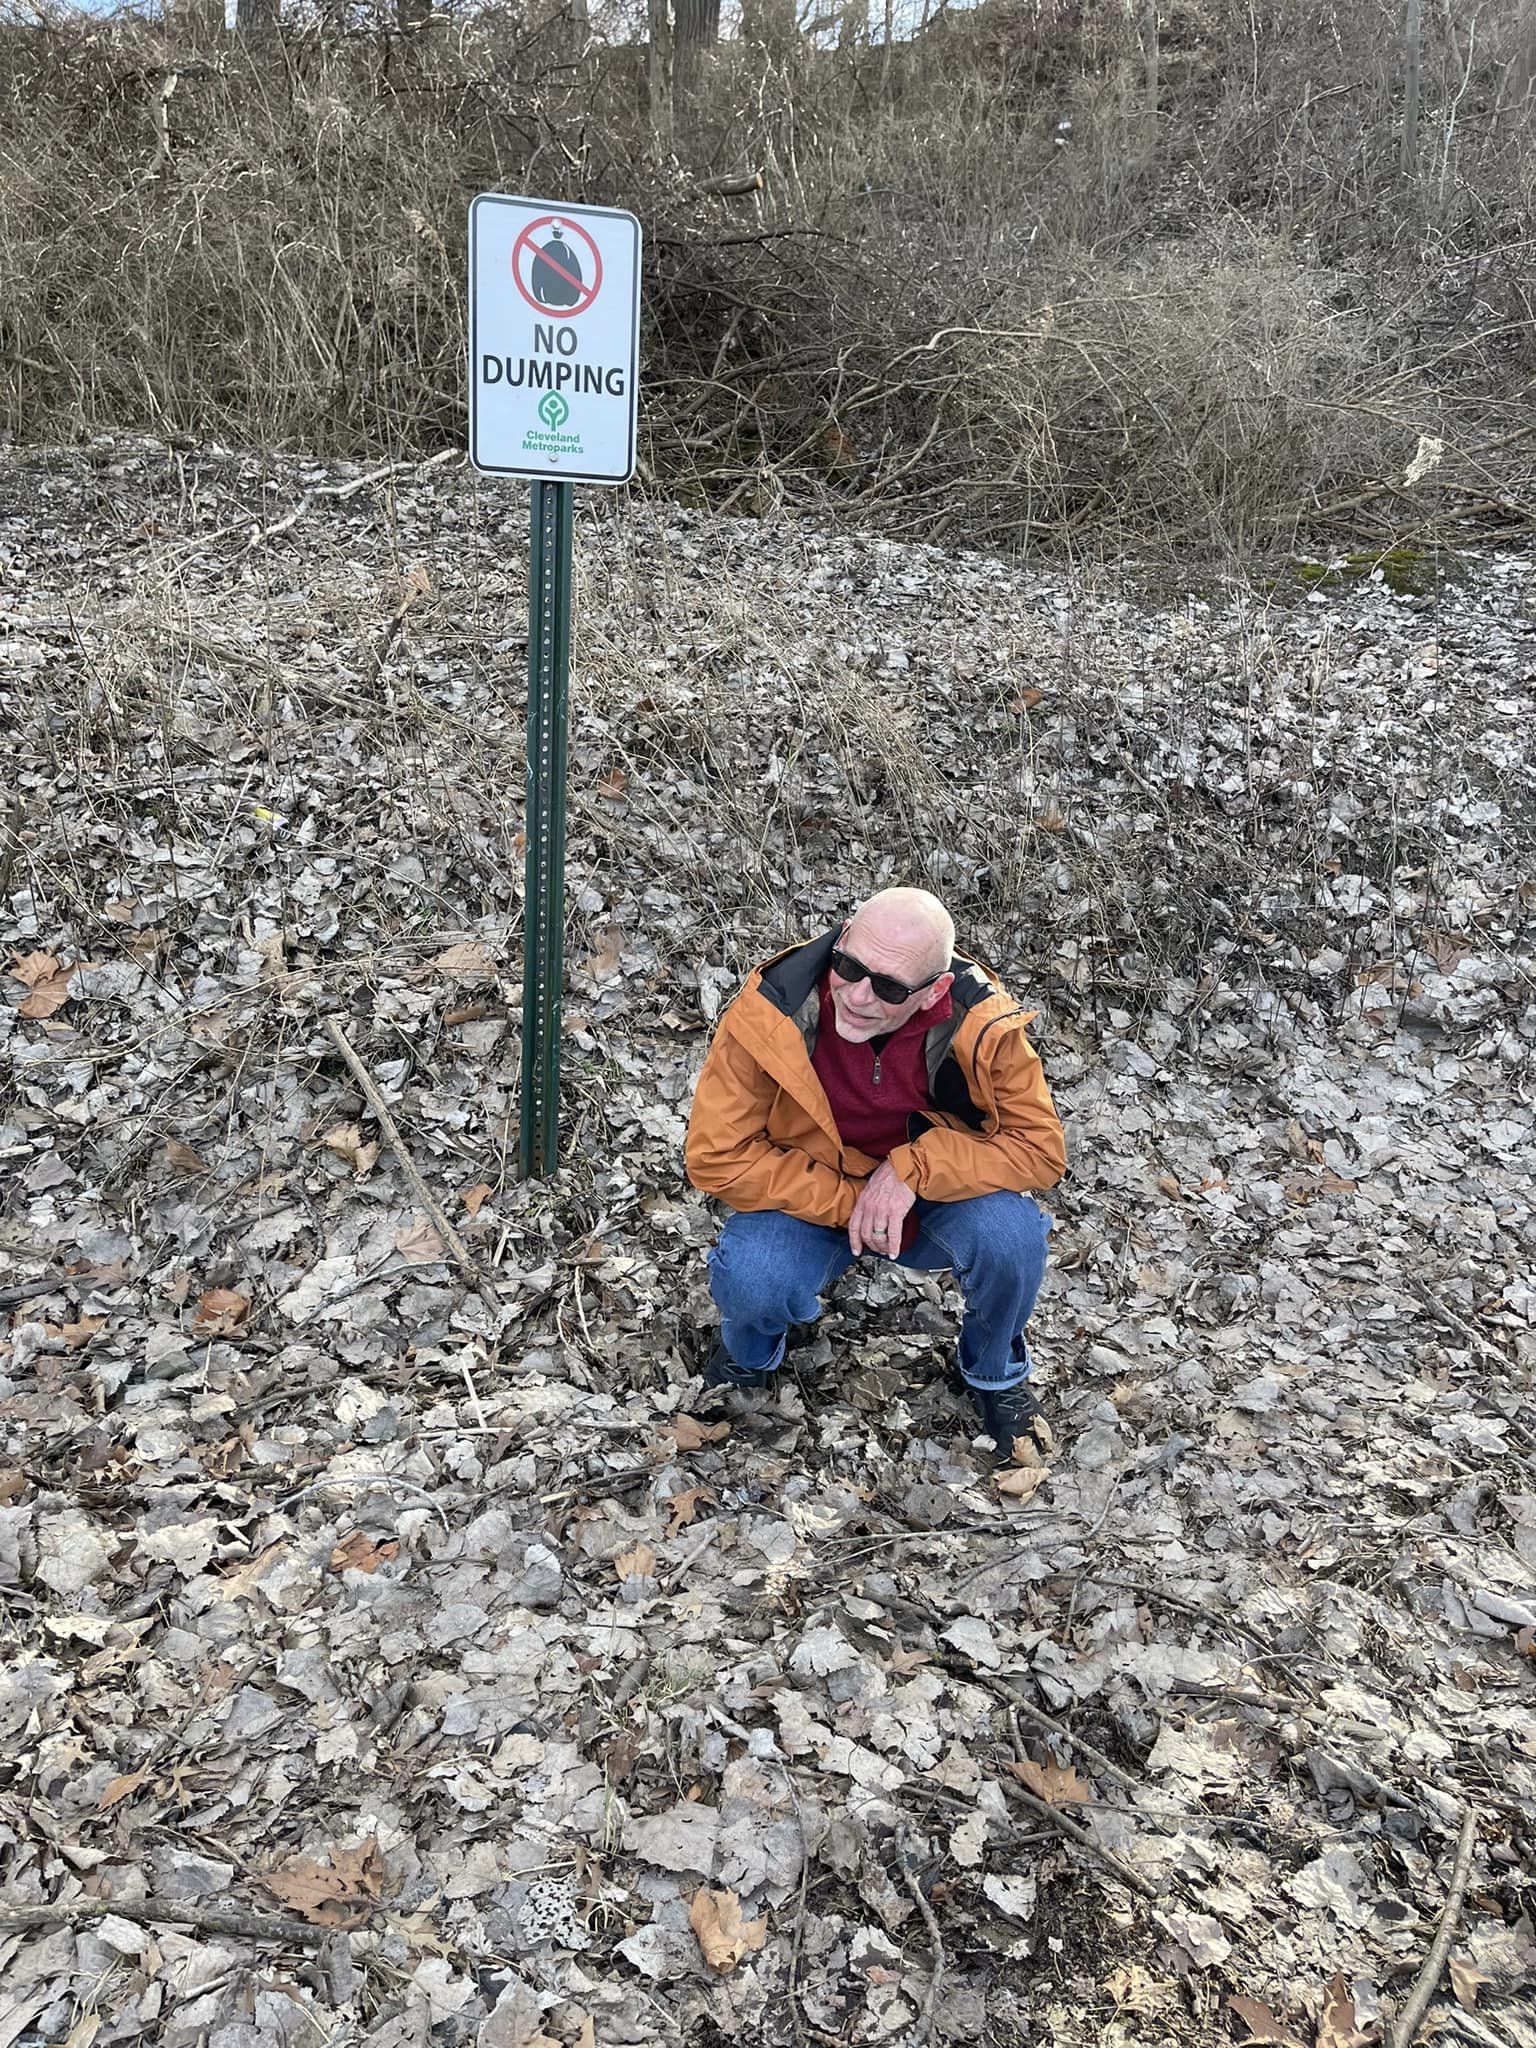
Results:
[721, 1370]
[1008, 1413]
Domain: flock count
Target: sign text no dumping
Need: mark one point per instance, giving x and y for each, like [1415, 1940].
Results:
[554, 339]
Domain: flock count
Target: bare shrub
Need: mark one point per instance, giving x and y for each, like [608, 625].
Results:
[973, 295]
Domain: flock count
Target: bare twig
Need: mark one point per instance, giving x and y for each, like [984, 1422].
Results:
[424, 1195]
[1041, 1719]
[904, 1864]
[735, 185]
[1278, 1703]
[168, 1913]
[1434, 1962]
[12, 848]
[1448, 1316]
[1082, 1838]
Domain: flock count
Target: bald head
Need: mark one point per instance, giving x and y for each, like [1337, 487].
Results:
[909, 920]
[905, 934]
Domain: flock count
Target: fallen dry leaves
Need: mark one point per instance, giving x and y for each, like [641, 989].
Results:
[1466, 1981]
[360, 1553]
[1255, 1405]
[120, 1788]
[693, 1436]
[1023, 1480]
[1056, 1784]
[420, 1243]
[724, 1936]
[1264, 2029]
[472, 960]
[46, 980]
[347, 1142]
[1338, 2026]
[221, 1312]
[681, 1507]
[338, 1889]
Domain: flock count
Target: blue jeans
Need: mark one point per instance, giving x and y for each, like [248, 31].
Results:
[768, 1270]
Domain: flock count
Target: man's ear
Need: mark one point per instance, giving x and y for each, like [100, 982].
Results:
[941, 987]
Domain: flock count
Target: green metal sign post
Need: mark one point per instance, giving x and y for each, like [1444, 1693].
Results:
[549, 660]
[554, 362]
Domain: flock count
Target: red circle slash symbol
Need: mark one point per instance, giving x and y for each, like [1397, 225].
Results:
[557, 266]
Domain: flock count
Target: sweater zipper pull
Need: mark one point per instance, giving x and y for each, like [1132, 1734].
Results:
[877, 1070]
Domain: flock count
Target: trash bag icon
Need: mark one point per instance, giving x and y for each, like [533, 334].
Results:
[557, 277]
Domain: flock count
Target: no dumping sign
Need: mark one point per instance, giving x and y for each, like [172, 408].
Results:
[554, 339]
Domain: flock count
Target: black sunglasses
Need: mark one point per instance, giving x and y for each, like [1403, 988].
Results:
[885, 986]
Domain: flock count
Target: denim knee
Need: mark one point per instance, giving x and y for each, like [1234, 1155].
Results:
[999, 1229]
[769, 1269]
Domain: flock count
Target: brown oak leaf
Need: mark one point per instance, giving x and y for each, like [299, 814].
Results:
[338, 1892]
[221, 1312]
[1338, 2026]
[692, 1436]
[1056, 1784]
[181, 1158]
[1264, 2030]
[46, 980]
[359, 1553]
[723, 1935]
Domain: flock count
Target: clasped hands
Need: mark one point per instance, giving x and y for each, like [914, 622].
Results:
[880, 1212]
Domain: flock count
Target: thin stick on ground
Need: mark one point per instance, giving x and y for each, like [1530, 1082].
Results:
[167, 1913]
[924, 2029]
[391, 1130]
[1424, 1988]
[1082, 1838]
[1041, 1719]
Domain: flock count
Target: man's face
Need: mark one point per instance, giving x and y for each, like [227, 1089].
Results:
[887, 948]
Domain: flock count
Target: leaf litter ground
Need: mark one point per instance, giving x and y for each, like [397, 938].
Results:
[431, 1669]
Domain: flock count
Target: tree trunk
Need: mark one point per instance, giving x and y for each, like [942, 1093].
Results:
[1520, 93]
[658, 76]
[256, 20]
[205, 18]
[1153, 56]
[770, 24]
[697, 29]
[1412, 41]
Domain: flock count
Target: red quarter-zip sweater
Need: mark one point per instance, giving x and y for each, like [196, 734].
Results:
[875, 1087]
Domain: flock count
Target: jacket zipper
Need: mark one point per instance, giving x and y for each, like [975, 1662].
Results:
[877, 1070]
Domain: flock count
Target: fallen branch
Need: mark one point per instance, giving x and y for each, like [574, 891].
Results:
[1452, 1321]
[964, 1668]
[255, 535]
[924, 2029]
[805, 2029]
[735, 185]
[168, 1913]
[424, 1195]
[13, 847]
[1082, 1838]
[1434, 1962]
[1278, 1703]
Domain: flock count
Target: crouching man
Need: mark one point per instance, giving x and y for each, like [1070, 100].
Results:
[873, 1091]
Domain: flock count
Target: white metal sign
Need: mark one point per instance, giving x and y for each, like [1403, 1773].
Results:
[554, 339]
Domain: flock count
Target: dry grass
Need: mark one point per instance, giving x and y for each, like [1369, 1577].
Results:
[948, 315]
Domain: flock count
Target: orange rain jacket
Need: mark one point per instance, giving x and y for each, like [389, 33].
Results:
[762, 1135]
